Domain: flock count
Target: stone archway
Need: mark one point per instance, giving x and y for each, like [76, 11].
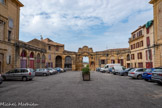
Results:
[85, 52]
[23, 60]
[31, 65]
[38, 60]
[68, 63]
[43, 61]
[58, 61]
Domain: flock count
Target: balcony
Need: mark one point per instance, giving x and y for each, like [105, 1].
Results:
[136, 38]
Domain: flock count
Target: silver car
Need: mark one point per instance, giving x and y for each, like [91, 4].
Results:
[52, 71]
[19, 74]
[42, 72]
[157, 75]
[136, 73]
[1, 79]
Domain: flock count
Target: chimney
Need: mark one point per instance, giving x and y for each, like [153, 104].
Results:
[41, 37]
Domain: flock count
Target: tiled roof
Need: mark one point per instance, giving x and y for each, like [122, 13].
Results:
[49, 41]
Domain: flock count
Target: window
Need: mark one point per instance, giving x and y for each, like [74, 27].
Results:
[132, 56]
[139, 55]
[49, 47]
[134, 36]
[148, 41]
[128, 57]
[2, 1]
[57, 48]
[49, 57]
[140, 33]
[102, 61]
[2, 30]
[113, 61]
[9, 35]
[141, 44]
[10, 23]
[9, 59]
[149, 55]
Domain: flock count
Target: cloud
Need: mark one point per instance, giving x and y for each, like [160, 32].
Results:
[97, 23]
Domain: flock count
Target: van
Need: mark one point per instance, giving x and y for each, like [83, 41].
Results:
[114, 68]
[24, 74]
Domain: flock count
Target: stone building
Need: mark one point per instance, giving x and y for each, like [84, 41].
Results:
[157, 6]
[142, 46]
[9, 33]
[13, 52]
[57, 56]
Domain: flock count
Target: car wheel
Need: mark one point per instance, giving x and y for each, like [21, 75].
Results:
[146, 79]
[4, 78]
[139, 76]
[44, 74]
[24, 78]
[125, 74]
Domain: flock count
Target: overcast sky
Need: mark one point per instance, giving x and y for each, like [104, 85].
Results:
[100, 24]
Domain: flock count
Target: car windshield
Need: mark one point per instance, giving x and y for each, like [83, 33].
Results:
[148, 70]
[132, 70]
[158, 70]
[127, 69]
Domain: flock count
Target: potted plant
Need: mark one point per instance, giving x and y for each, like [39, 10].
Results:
[86, 73]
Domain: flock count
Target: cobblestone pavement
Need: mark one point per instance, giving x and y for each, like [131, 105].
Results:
[67, 90]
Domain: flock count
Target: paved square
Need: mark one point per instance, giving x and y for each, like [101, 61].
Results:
[67, 90]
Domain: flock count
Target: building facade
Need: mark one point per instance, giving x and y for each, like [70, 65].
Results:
[9, 33]
[157, 8]
[142, 46]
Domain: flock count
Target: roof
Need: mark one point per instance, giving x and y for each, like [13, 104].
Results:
[153, 1]
[118, 49]
[19, 3]
[49, 41]
[138, 28]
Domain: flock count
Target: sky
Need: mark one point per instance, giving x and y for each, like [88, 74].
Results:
[100, 24]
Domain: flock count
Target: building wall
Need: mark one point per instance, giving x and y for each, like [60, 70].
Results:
[157, 6]
[140, 49]
[9, 12]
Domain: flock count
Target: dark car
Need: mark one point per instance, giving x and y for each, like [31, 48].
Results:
[98, 69]
[58, 69]
[1, 79]
[19, 74]
[148, 74]
[125, 72]
[157, 75]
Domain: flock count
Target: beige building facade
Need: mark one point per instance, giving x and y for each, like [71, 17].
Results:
[142, 46]
[157, 8]
[9, 33]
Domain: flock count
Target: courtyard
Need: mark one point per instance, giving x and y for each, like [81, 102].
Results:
[67, 90]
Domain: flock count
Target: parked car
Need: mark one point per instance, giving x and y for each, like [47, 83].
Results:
[60, 69]
[136, 73]
[98, 69]
[52, 71]
[42, 72]
[1, 79]
[157, 75]
[63, 70]
[125, 72]
[147, 74]
[114, 68]
[19, 74]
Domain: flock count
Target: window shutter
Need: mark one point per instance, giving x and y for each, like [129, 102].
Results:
[146, 55]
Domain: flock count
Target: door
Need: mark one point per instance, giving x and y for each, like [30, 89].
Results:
[32, 64]
[23, 63]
